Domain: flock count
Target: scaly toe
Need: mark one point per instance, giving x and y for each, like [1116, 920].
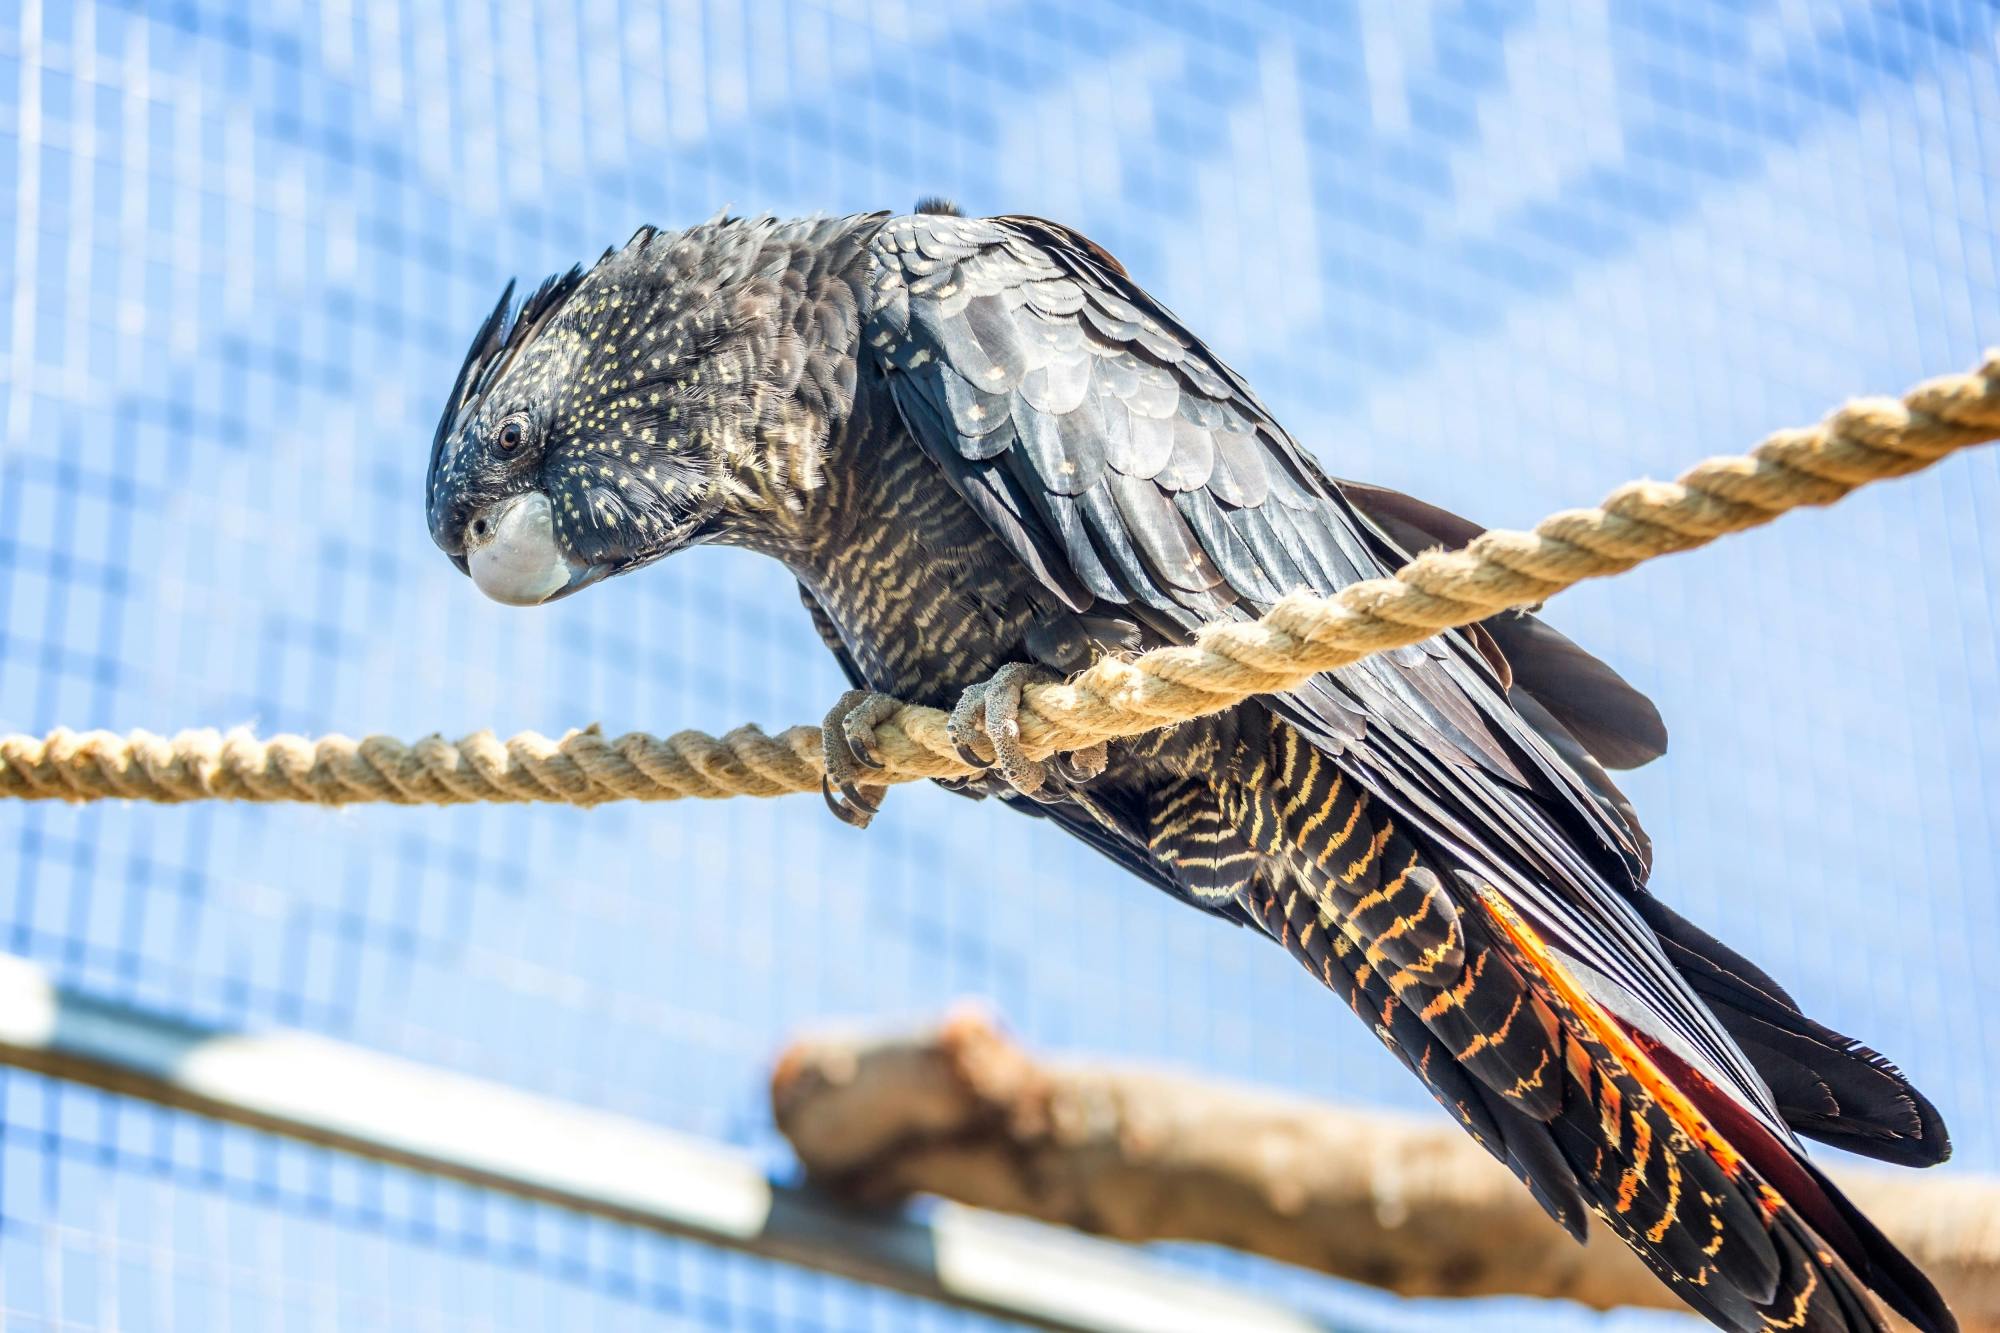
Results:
[1081, 765]
[966, 724]
[1003, 729]
[1023, 774]
[857, 726]
[846, 747]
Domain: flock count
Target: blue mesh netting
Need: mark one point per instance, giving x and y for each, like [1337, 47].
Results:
[1502, 256]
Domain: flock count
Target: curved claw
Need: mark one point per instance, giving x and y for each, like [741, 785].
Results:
[866, 801]
[858, 730]
[858, 713]
[851, 807]
[847, 741]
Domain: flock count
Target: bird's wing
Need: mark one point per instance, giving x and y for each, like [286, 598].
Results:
[1123, 463]
[1583, 709]
[1126, 464]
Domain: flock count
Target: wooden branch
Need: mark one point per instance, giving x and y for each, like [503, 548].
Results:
[1406, 1204]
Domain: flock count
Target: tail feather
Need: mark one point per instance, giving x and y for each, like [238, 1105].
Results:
[1569, 1090]
[1827, 1085]
[1533, 1154]
[1520, 1142]
[1883, 1266]
[1362, 869]
[1827, 1254]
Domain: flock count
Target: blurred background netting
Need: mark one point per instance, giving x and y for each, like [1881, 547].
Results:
[1500, 255]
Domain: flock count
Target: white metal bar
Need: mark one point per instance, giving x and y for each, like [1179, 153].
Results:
[378, 1106]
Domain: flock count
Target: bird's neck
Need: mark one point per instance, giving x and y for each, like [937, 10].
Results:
[808, 478]
[924, 598]
[809, 490]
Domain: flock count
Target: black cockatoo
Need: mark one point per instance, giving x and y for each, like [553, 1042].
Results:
[988, 455]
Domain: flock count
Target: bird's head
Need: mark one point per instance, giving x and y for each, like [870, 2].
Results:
[619, 414]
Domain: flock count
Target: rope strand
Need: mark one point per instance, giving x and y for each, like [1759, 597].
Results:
[1868, 440]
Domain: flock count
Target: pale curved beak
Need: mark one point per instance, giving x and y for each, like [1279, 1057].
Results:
[512, 554]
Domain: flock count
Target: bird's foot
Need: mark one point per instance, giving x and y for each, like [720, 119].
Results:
[847, 741]
[993, 709]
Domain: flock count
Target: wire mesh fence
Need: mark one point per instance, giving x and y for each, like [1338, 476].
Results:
[245, 247]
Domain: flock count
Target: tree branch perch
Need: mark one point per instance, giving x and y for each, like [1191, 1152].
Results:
[1395, 1202]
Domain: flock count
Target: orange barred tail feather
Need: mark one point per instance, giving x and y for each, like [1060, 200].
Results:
[1734, 1219]
[1591, 1111]
[1515, 1138]
[1364, 873]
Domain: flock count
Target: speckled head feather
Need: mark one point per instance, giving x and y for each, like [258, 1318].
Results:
[656, 394]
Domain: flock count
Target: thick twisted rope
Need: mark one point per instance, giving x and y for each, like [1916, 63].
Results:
[1870, 439]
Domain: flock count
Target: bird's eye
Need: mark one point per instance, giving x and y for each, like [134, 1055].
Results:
[513, 434]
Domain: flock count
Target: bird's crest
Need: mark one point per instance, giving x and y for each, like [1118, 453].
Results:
[506, 331]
